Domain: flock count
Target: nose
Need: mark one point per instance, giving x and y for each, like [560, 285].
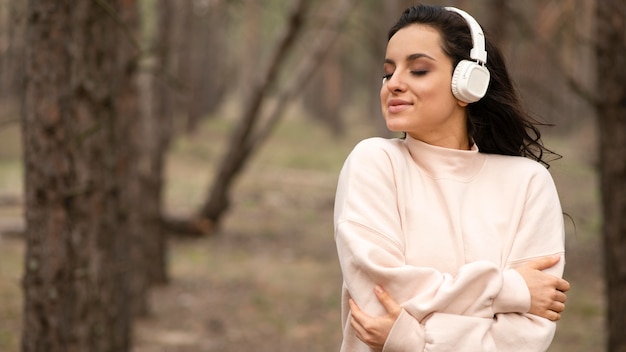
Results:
[395, 83]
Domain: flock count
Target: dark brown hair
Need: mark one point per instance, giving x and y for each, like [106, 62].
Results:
[497, 123]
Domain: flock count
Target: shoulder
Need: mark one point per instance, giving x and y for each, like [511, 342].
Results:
[377, 147]
[517, 165]
[521, 170]
[375, 157]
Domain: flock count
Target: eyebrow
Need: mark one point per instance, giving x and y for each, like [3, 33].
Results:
[412, 57]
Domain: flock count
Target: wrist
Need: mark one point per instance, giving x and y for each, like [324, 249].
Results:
[514, 296]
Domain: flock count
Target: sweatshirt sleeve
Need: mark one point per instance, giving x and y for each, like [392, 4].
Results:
[369, 242]
[540, 233]
[432, 301]
[369, 253]
[367, 258]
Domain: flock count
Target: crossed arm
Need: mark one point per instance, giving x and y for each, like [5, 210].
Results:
[547, 301]
[486, 299]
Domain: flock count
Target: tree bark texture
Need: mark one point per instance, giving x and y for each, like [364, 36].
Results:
[77, 166]
[130, 134]
[611, 108]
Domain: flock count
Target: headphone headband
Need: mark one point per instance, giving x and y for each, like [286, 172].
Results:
[478, 52]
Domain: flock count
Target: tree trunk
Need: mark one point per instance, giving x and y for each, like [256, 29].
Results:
[218, 199]
[13, 26]
[76, 295]
[248, 135]
[157, 132]
[611, 60]
[130, 136]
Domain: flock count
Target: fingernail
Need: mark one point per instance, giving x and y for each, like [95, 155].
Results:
[378, 289]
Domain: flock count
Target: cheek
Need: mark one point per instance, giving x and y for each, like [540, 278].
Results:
[446, 87]
[440, 91]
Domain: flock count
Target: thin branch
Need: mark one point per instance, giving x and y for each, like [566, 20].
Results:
[285, 44]
[314, 57]
[234, 159]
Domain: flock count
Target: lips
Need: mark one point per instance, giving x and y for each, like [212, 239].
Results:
[398, 105]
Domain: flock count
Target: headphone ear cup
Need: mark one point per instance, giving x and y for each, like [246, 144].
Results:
[456, 78]
[470, 81]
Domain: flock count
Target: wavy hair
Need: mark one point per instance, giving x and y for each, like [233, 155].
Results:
[497, 123]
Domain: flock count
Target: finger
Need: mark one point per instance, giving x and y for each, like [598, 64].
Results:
[355, 311]
[560, 297]
[360, 316]
[353, 306]
[360, 322]
[554, 316]
[557, 307]
[358, 329]
[563, 285]
[544, 262]
[387, 301]
[549, 314]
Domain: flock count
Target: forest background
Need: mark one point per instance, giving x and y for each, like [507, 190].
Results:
[256, 269]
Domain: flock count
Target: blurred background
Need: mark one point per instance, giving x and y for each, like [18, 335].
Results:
[242, 113]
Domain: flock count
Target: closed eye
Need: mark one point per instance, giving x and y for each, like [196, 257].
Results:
[419, 73]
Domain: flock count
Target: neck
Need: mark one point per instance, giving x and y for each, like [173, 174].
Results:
[452, 141]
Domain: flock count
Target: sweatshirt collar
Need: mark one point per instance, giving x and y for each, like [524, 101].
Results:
[445, 163]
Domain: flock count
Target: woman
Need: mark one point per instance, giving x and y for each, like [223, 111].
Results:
[444, 247]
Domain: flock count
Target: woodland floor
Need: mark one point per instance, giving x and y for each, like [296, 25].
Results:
[269, 279]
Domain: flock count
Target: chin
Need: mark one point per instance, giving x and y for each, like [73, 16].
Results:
[394, 127]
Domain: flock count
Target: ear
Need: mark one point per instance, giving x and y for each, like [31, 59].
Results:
[461, 103]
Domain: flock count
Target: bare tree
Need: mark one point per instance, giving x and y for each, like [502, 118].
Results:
[611, 111]
[254, 127]
[246, 138]
[158, 90]
[78, 164]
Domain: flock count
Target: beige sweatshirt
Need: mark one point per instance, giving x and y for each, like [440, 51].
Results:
[441, 229]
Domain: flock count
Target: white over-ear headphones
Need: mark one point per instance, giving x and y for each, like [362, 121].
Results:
[471, 78]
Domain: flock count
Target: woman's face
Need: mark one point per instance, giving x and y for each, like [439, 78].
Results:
[416, 96]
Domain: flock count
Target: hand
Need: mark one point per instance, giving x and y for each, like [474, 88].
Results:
[374, 331]
[547, 292]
